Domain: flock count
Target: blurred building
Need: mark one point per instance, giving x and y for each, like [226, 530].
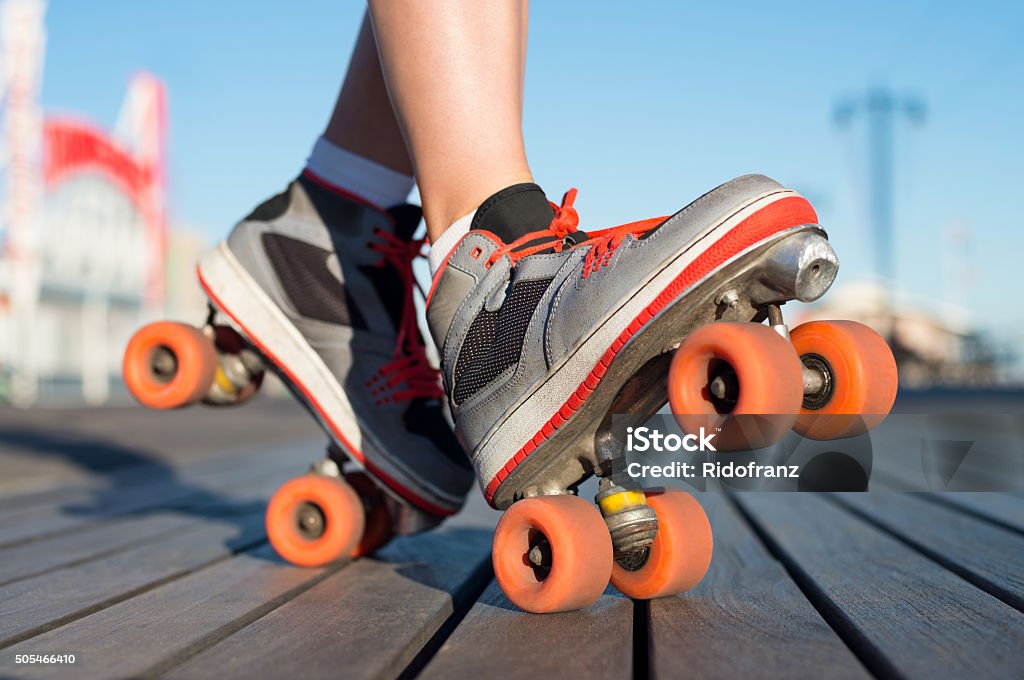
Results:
[83, 235]
[934, 344]
[184, 299]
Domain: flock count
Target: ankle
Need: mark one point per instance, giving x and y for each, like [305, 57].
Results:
[443, 207]
[510, 213]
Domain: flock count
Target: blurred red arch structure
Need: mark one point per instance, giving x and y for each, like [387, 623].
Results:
[72, 146]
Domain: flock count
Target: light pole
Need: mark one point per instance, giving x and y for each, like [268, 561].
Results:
[880, 107]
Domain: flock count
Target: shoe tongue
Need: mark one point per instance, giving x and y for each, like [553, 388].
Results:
[513, 212]
[407, 220]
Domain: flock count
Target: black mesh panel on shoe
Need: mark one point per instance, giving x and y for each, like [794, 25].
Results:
[495, 339]
[312, 288]
[479, 341]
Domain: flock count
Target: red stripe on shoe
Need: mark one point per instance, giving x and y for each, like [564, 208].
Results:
[778, 216]
[405, 493]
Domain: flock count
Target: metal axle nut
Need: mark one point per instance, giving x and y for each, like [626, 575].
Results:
[801, 267]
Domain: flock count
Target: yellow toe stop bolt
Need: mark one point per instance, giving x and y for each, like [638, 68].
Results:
[224, 389]
[631, 522]
[223, 381]
[619, 501]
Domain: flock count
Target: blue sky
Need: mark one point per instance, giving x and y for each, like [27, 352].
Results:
[642, 108]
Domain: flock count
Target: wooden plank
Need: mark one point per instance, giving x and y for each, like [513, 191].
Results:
[215, 463]
[14, 502]
[493, 623]
[229, 485]
[95, 540]
[988, 556]
[994, 461]
[31, 606]
[46, 448]
[57, 523]
[143, 634]
[1004, 509]
[369, 620]
[896, 454]
[746, 618]
[139, 480]
[960, 400]
[90, 542]
[901, 613]
[175, 489]
[498, 640]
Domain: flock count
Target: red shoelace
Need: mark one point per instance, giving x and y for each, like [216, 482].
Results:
[603, 242]
[409, 375]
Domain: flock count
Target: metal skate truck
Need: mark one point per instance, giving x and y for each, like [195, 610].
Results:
[704, 332]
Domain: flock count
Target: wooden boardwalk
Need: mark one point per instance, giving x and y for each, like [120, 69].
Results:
[134, 540]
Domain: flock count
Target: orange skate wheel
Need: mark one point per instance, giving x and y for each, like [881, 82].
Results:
[378, 529]
[168, 365]
[861, 378]
[314, 520]
[552, 554]
[743, 378]
[680, 554]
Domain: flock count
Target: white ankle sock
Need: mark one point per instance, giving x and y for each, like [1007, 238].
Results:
[440, 248]
[370, 181]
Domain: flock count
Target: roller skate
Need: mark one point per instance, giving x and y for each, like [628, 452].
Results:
[316, 286]
[543, 339]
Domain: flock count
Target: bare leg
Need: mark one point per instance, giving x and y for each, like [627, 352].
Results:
[455, 78]
[363, 121]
